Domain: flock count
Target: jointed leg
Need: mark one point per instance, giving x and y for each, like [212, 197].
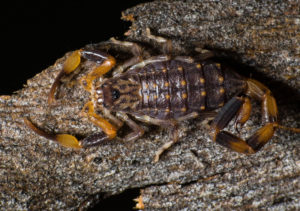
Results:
[118, 123]
[137, 61]
[203, 54]
[137, 130]
[171, 125]
[166, 44]
[149, 61]
[136, 51]
[174, 136]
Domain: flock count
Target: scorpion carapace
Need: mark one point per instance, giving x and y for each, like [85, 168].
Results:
[164, 90]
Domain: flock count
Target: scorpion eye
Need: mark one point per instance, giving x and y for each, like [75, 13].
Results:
[115, 94]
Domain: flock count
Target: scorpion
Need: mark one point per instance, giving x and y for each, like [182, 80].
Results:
[164, 90]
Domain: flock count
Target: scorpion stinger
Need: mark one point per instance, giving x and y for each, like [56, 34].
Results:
[241, 107]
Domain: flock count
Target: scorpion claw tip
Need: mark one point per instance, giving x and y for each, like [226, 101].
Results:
[68, 141]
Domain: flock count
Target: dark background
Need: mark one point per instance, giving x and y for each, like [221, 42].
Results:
[35, 34]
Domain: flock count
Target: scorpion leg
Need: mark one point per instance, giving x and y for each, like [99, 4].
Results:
[105, 63]
[136, 51]
[111, 117]
[137, 130]
[149, 61]
[204, 54]
[174, 138]
[171, 125]
[173, 130]
[166, 44]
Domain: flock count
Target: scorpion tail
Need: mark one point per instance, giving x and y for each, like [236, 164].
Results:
[241, 108]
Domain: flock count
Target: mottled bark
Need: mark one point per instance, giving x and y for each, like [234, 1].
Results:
[262, 36]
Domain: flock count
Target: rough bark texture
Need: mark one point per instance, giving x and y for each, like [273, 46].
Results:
[196, 173]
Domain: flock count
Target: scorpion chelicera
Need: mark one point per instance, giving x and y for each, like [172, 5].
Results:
[164, 90]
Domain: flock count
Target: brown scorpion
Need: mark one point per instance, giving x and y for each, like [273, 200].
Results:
[164, 90]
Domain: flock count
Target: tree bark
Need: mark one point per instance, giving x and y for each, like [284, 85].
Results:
[257, 37]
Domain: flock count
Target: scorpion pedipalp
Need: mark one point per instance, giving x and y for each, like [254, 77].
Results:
[64, 139]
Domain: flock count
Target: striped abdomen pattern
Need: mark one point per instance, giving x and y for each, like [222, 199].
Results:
[175, 88]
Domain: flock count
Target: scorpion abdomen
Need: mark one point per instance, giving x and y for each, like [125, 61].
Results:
[174, 88]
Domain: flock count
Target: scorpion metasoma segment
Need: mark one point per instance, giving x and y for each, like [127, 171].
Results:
[164, 90]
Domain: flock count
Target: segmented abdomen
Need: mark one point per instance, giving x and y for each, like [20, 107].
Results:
[175, 88]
